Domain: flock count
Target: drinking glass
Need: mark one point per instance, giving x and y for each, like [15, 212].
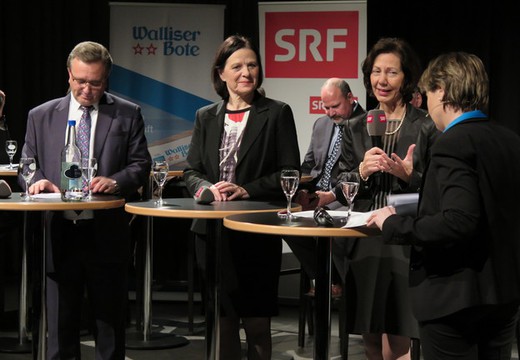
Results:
[160, 173]
[88, 170]
[350, 187]
[10, 147]
[27, 168]
[290, 179]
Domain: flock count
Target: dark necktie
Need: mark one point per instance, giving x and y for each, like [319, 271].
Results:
[324, 182]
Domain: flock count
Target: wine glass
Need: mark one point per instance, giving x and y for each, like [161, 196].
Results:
[88, 170]
[160, 172]
[27, 168]
[10, 147]
[290, 179]
[350, 187]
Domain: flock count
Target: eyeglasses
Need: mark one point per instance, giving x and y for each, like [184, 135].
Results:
[94, 84]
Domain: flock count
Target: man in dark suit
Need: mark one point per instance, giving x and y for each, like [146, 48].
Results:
[89, 250]
[321, 160]
[464, 263]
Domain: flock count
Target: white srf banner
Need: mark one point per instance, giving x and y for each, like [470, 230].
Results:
[303, 44]
[162, 61]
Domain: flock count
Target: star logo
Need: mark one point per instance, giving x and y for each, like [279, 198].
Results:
[151, 49]
[138, 49]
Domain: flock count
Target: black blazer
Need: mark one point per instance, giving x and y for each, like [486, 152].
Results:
[466, 238]
[269, 144]
[417, 129]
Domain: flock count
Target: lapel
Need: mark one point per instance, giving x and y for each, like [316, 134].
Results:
[214, 134]
[258, 117]
[325, 145]
[104, 122]
[60, 125]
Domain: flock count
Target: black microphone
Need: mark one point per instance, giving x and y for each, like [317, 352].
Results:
[376, 126]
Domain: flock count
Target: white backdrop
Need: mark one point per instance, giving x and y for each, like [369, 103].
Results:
[162, 61]
[304, 43]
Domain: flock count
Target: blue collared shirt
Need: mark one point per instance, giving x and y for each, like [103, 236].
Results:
[467, 115]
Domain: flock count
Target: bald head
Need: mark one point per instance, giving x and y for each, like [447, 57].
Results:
[337, 99]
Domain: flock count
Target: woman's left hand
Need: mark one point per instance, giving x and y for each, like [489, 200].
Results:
[378, 217]
[401, 168]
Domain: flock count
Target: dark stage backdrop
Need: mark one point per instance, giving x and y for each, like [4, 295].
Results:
[36, 39]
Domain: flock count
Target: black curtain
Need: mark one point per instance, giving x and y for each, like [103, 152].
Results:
[36, 39]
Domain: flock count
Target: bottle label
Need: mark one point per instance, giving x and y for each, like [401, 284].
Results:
[71, 184]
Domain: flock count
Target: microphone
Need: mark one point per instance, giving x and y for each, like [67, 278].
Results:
[376, 126]
[5, 189]
[204, 195]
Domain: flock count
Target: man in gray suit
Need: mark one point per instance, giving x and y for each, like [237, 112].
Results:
[321, 160]
[89, 250]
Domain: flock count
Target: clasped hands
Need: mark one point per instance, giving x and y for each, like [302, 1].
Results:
[225, 191]
[99, 184]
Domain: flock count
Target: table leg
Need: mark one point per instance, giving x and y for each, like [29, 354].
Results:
[213, 260]
[148, 339]
[21, 344]
[42, 332]
[322, 300]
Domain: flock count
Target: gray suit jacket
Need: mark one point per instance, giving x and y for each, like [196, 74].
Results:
[317, 153]
[122, 154]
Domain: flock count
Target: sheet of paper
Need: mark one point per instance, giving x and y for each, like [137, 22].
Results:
[47, 196]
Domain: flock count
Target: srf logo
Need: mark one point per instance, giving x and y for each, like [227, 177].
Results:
[316, 105]
[311, 44]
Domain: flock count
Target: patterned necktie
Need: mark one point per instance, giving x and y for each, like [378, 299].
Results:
[324, 182]
[84, 132]
[83, 138]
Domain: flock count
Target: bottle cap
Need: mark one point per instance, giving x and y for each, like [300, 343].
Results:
[72, 122]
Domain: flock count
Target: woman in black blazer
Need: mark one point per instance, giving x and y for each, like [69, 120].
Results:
[464, 266]
[239, 147]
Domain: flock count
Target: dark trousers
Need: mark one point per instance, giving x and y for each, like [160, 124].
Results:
[105, 285]
[481, 332]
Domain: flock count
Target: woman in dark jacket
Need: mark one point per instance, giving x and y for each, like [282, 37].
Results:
[239, 147]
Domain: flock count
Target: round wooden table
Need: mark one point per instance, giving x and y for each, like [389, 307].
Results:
[213, 213]
[8, 172]
[269, 223]
[44, 203]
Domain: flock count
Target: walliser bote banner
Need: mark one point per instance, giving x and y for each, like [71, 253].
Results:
[303, 44]
[162, 61]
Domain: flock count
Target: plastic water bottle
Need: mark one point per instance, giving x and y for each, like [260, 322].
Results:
[71, 182]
